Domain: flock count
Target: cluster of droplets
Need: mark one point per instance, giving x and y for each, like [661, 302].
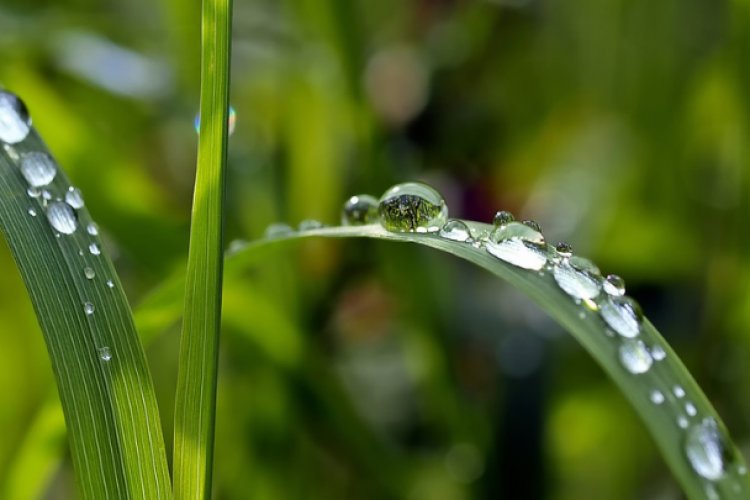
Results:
[40, 171]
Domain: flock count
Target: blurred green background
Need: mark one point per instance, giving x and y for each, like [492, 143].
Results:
[362, 370]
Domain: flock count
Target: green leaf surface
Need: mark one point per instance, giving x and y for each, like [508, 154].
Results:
[195, 403]
[101, 372]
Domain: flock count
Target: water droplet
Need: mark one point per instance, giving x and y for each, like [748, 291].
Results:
[682, 422]
[614, 285]
[32, 212]
[62, 217]
[502, 218]
[658, 353]
[578, 277]
[94, 249]
[110, 283]
[231, 121]
[309, 225]
[46, 195]
[707, 449]
[278, 230]
[89, 273]
[88, 308]
[623, 315]
[38, 169]
[34, 192]
[656, 397]
[519, 245]
[92, 229]
[678, 391]
[12, 153]
[412, 207]
[635, 357]
[690, 409]
[359, 210]
[236, 245]
[532, 224]
[455, 230]
[15, 122]
[104, 353]
[74, 198]
[564, 249]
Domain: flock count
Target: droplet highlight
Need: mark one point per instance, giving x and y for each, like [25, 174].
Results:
[88, 308]
[62, 217]
[38, 169]
[359, 210]
[231, 121]
[412, 207]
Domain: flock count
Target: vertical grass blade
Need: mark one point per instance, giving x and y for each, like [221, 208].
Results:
[100, 368]
[195, 404]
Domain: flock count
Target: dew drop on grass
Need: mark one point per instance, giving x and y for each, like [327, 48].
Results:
[32, 212]
[614, 285]
[110, 283]
[278, 230]
[89, 273]
[656, 397]
[678, 391]
[412, 207]
[359, 210]
[455, 230]
[231, 121]
[502, 217]
[634, 356]
[532, 224]
[520, 245]
[38, 169]
[707, 449]
[564, 249]
[309, 225]
[105, 354]
[74, 198]
[690, 409]
[92, 229]
[578, 277]
[88, 308]
[15, 121]
[658, 353]
[34, 192]
[94, 249]
[623, 315]
[682, 422]
[62, 217]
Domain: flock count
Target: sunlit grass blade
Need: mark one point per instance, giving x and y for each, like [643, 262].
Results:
[195, 403]
[100, 368]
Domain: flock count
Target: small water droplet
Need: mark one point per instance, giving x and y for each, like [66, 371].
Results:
[278, 230]
[455, 230]
[34, 192]
[88, 308]
[15, 122]
[519, 245]
[412, 207]
[12, 153]
[623, 315]
[658, 353]
[683, 422]
[89, 273]
[309, 225]
[62, 217]
[110, 283]
[678, 391]
[94, 249]
[360, 210]
[614, 285]
[656, 397]
[32, 212]
[578, 277]
[46, 195]
[635, 357]
[74, 198]
[231, 121]
[104, 353]
[502, 218]
[92, 229]
[532, 224]
[38, 169]
[690, 409]
[564, 249]
[707, 449]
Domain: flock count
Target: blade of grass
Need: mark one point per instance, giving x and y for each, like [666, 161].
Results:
[195, 403]
[100, 368]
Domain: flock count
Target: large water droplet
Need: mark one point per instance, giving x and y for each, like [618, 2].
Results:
[614, 285]
[89, 273]
[578, 277]
[88, 308]
[74, 197]
[38, 169]
[15, 122]
[231, 121]
[412, 207]
[455, 230]
[62, 217]
[707, 449]
[519, 245]
[623, 315]
[104, 353]
[635, 357]
[278, 230]
[359, 210]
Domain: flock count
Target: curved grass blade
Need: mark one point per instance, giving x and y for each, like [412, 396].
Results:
[100, 368]
[195, 403]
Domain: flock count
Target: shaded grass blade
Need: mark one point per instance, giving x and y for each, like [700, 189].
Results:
[100, 368]
[195, 404]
